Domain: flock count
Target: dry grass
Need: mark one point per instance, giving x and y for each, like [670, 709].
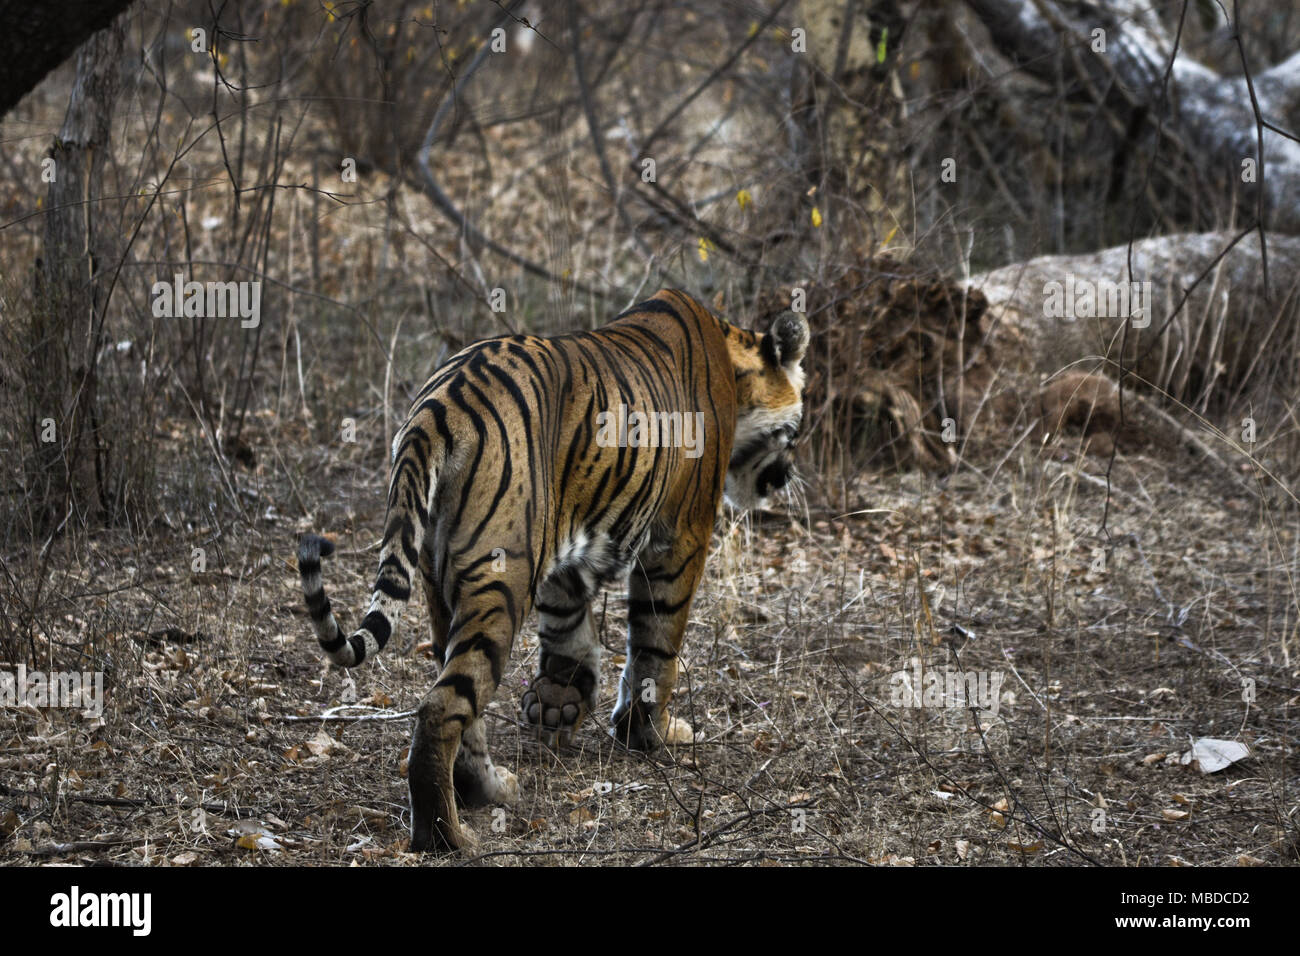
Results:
[800, 754]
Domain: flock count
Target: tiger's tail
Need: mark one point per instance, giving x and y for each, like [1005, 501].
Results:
[410, 501]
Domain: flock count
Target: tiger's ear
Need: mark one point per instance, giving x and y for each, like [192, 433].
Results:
[788, 340]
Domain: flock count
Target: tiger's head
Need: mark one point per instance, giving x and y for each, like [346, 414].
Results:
[769, 410]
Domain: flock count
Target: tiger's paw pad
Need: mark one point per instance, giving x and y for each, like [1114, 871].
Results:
[555, 709]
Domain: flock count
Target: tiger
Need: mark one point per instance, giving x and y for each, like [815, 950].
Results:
[519, 482]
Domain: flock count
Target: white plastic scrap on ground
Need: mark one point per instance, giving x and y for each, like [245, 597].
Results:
[1211, 755]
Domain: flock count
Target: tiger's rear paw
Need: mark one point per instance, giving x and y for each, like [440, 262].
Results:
[554, 708]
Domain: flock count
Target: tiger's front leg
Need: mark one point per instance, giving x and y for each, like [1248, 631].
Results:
[658, 607]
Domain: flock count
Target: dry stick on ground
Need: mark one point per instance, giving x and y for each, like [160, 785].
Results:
[1057, 838]
[703, 840]
[332, 714]
[223, 809]
[81, 846]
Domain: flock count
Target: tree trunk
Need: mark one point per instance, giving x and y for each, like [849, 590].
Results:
[1210, 114]
[1227, 339]
[39, 36]
[69, 316]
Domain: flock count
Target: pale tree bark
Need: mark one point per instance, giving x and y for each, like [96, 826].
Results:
[1212, 341]
[1211, 114]
[68, 318]
[1209, 323]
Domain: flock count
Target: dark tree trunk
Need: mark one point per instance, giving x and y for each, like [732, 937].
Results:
[37, 37]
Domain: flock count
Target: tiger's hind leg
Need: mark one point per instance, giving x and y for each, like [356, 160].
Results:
[563, 690]
[449, 745]
[478, 782]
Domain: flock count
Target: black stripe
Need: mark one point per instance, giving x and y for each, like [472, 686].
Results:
[358, 648]
[556, 611]
[572, 672]
[318, 605]
[463, 685]
[640, 608]
[334, 644]
[484, 645]
[394, 589]
[551, 632]
[665, 574]
[378, 625]
[654, 652]
[658, 306]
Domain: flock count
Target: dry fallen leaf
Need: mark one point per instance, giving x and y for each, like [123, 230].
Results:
[323, 745]
[1170, 814]
[580, 815]
[1025, 847]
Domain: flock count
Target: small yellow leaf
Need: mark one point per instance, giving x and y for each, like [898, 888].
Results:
[744, 199]
[816, 218]
[705, 248]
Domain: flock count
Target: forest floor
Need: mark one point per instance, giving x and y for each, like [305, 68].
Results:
[1097, 666]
